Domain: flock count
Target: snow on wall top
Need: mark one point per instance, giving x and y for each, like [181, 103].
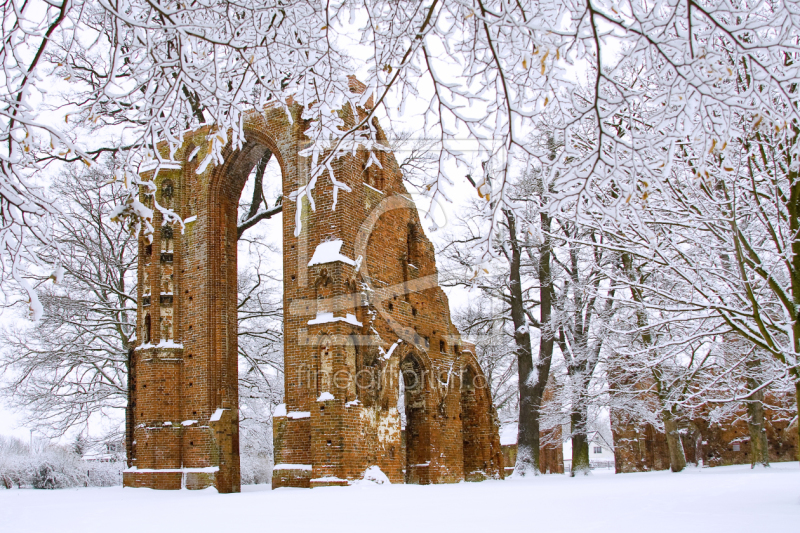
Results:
[184, 470]
[290, 466]
[162, 344]
[328, 252]
[155, 163]
[327, 318]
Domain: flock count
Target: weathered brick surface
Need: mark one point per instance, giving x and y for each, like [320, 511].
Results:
[727, 442]
[642, 447]
[384, 290]
[637, 447]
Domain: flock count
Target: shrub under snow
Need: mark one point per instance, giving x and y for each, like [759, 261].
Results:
[45, 466]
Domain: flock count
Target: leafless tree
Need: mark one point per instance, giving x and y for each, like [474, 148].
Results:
[74, 361]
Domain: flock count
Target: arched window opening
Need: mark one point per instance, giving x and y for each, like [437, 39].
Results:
[468, 380]
[167, 243]
[416, 430]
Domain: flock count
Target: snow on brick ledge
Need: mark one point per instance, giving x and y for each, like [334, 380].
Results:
[294, 415]
[217, 415]
[204, 470]
[328, 252]
[162, 344]
[288, 466]
[327, 318]
[169, 344]
[325, 396]
[280, 410]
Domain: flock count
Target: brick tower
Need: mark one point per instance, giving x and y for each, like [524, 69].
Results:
[368, 340]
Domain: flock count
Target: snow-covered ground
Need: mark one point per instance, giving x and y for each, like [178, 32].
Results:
[725, 499]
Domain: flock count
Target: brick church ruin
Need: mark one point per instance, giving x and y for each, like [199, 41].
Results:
[366, 329]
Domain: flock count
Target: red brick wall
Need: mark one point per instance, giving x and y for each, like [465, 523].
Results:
[393, 293]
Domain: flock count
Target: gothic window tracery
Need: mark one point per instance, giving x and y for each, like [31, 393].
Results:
[147, 329]
[167, 278]
[167, 237]
[166, 324]
[325, 367]
[167, 193]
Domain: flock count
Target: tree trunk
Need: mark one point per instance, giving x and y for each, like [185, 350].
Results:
[129, 410]
[797, 409]
[530, 391]
[580, 442]
[759, 449]
[677, 458]
[794, 225]
[528, 429]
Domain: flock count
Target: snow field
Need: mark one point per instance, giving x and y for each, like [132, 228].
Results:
[725, 499]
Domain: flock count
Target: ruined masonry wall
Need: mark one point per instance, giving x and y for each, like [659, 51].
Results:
[354, 326]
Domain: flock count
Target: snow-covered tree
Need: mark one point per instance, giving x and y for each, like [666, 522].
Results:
[73, 363]
[482, 69]
[482, 323]
[584, 307]
[658, 367]
[722, 234]
[519, 280]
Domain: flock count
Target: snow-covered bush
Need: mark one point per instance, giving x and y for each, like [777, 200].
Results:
[375, 475]
[56, 468]
[104, 474]
[256, 451]
[47, 466]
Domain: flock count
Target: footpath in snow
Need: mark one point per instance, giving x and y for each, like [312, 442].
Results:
[725, 499]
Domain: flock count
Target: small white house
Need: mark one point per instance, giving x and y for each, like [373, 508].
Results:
[601, 455]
